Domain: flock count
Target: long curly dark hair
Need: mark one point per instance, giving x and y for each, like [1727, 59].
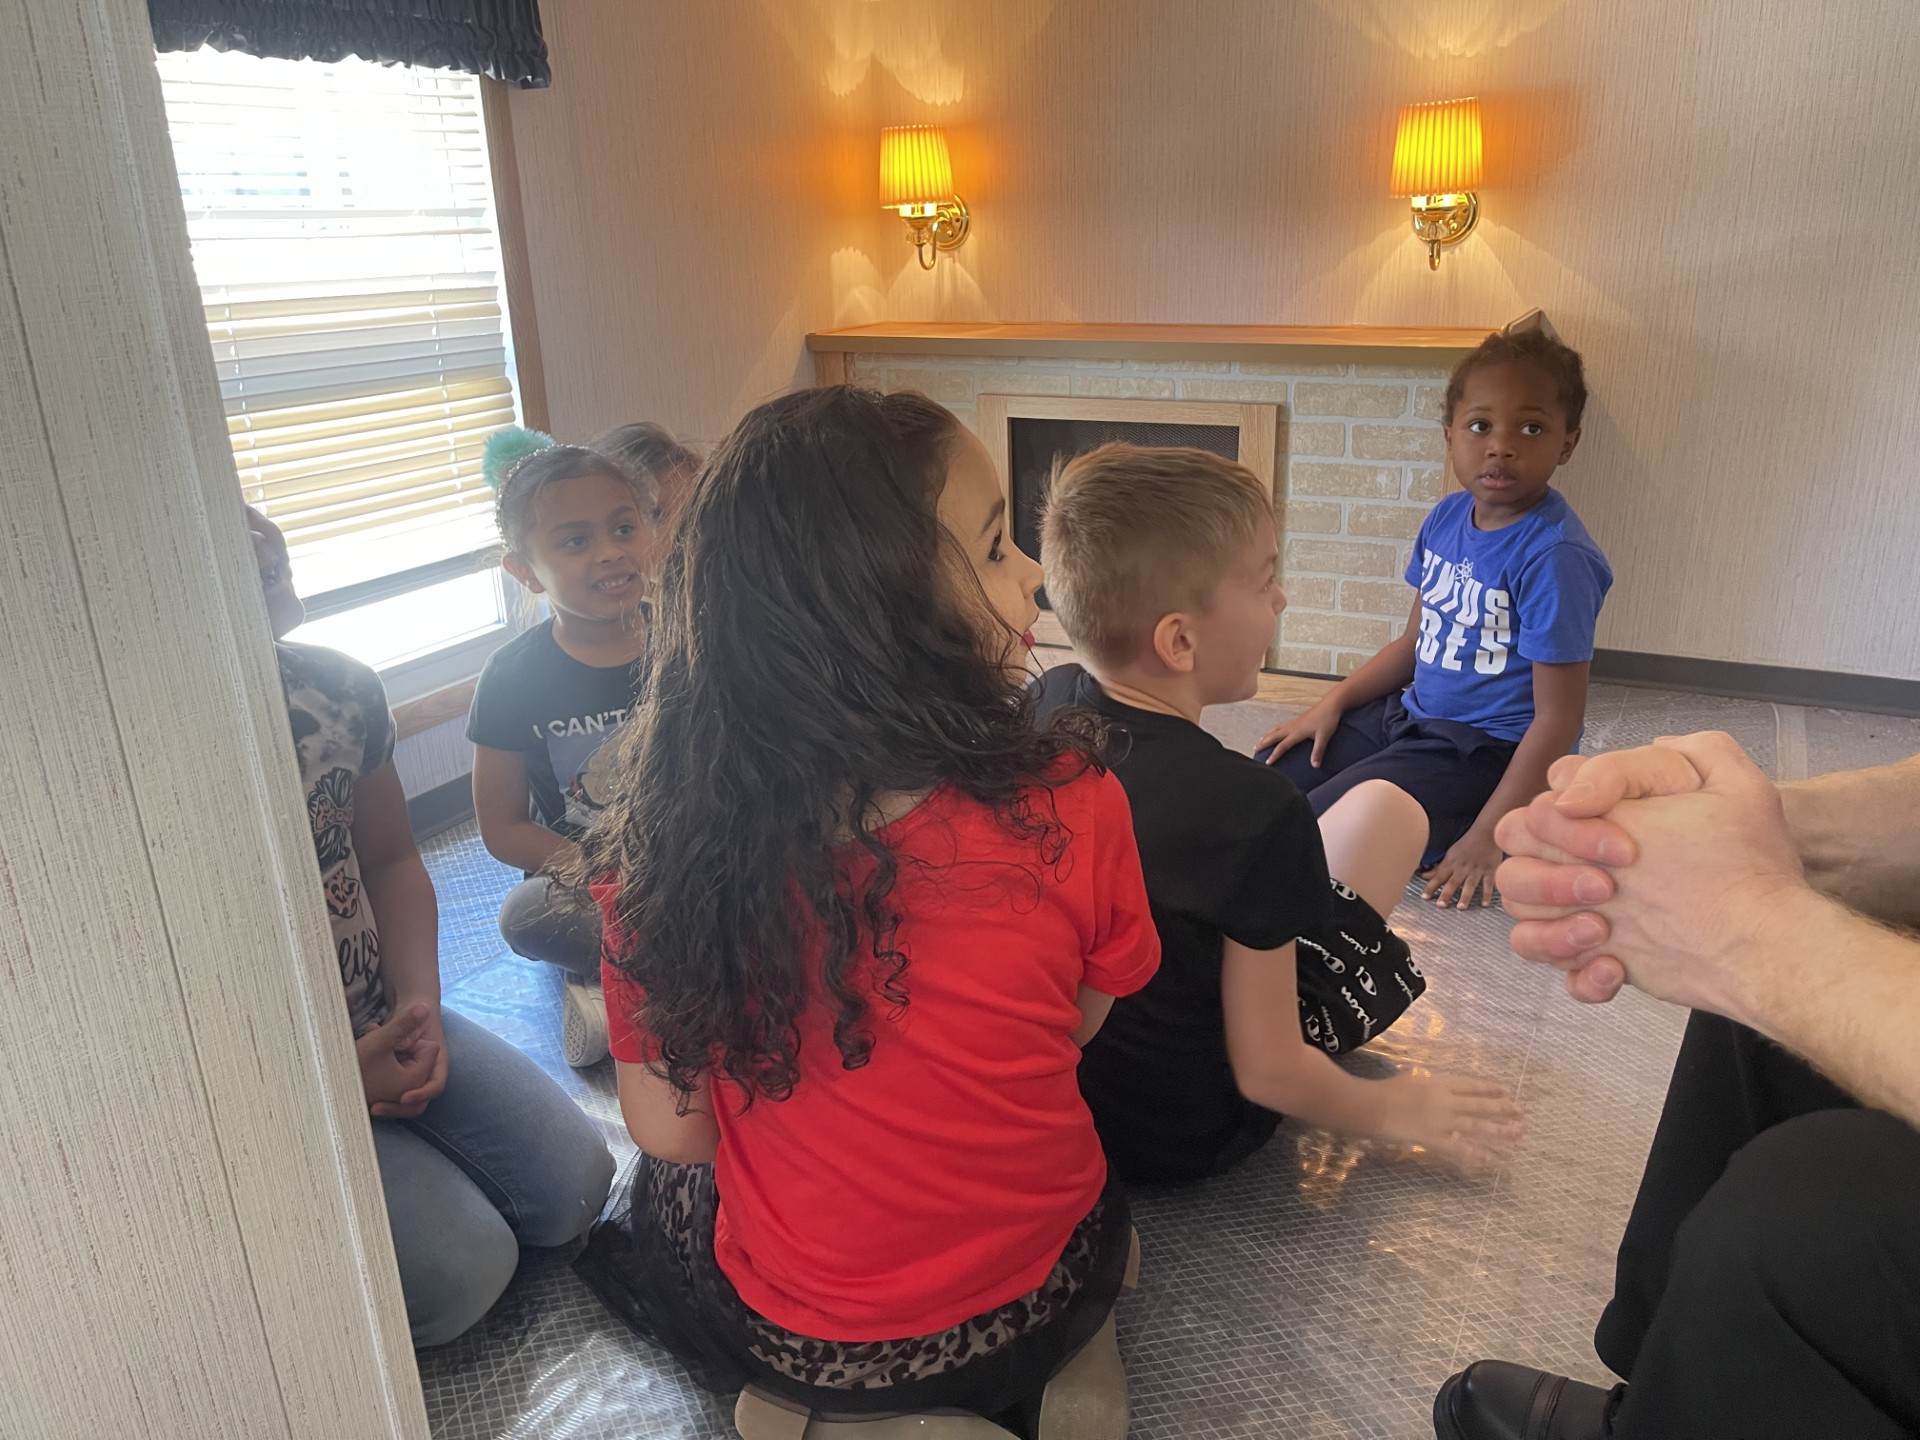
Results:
[816, 648]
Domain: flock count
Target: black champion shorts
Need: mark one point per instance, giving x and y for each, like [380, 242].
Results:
[1356, 976]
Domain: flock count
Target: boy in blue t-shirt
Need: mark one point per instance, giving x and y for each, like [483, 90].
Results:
[1487, 687]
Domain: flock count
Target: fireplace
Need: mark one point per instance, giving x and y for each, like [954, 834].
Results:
[1358, 462]
[1028, 434]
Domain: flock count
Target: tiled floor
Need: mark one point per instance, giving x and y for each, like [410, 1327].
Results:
[1320, 1290]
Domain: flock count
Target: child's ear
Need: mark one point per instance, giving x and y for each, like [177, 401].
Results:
[517, 566]
[1173, 643]
[1566, 450]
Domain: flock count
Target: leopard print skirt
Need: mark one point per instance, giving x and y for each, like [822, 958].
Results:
[651, 1260]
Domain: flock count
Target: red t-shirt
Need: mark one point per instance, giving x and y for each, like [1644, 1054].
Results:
[943, 1178]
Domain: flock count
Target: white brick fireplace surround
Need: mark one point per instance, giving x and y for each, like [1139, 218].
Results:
[1360, 455]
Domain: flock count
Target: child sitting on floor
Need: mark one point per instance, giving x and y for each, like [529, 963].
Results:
[583, 529]
[1160, 565]
[1487, 686]
[861, 914]
[480, 1152]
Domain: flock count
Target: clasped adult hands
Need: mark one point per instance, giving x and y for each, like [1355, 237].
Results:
[1663, 867]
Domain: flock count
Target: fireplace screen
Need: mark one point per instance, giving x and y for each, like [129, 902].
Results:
[1034, 445]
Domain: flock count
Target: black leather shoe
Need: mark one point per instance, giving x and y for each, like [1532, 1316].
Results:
[1493, 1400]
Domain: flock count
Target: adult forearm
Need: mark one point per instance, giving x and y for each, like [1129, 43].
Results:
[1858, 834]
[1842, 992]
[408, 915]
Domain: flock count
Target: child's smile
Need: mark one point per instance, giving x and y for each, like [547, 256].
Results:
[618, 587]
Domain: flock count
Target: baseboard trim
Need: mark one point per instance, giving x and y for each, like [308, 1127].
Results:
[1782, 684]
[440, 808]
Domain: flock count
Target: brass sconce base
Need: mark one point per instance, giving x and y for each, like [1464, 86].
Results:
[1444, 220]
[933, 228]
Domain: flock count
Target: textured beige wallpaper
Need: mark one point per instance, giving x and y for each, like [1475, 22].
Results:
[1716, 204]
[193, 1239]
[686, 184]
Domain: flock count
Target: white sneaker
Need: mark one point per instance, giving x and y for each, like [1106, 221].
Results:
[583, 1024]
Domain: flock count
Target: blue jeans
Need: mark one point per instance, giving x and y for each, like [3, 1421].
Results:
[501, 1159]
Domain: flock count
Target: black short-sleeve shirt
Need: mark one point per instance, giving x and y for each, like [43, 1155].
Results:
[559, 712]
[1230, 849]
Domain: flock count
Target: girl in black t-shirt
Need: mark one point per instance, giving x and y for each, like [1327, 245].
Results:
[582, 528]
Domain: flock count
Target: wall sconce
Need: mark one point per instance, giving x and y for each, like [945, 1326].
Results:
[916, 180]
[1436, 161]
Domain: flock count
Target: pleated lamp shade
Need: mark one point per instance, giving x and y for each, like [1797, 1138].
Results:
[914, 168]
[1437, 151]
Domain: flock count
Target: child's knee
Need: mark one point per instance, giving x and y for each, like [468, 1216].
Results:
[523, 913]
[452, 1277]
[570, 1196]
[1386, 807]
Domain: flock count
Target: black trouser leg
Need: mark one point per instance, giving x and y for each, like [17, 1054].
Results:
[1791, 1307]
[1360, 734]
[1729, 1085]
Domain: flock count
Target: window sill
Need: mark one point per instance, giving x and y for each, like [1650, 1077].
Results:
[432, 689]
[410, 679]
[428, 690]
[437, 707]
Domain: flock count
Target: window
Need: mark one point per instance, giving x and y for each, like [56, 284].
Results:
[344, 241]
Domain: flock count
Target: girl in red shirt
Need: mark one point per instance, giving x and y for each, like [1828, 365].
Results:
[863, 912]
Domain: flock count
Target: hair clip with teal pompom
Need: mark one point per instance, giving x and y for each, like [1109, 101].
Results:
[507, 448]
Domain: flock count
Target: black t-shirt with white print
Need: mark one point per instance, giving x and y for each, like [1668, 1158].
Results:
[559, 712]
[1230, 848]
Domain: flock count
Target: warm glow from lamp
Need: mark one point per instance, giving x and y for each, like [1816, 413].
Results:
[1437, 162]
[916, 180]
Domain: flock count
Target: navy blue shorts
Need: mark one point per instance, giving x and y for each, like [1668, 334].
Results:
[1451, 769]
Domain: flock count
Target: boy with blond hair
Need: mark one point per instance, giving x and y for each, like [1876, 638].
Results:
[1276, 956]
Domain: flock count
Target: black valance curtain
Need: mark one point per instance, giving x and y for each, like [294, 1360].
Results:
[500, 38]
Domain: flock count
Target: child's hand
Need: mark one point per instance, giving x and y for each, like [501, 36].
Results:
[1316, 723]
[415, 1100]
[1468, 1125]
[1465, 869]
[398, 1058]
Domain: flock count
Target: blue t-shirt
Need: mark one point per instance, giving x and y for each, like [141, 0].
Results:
[1494, 601]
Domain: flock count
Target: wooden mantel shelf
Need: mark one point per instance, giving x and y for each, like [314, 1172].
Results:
[1366, 344]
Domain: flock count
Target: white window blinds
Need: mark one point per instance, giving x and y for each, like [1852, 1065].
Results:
[344, 241]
